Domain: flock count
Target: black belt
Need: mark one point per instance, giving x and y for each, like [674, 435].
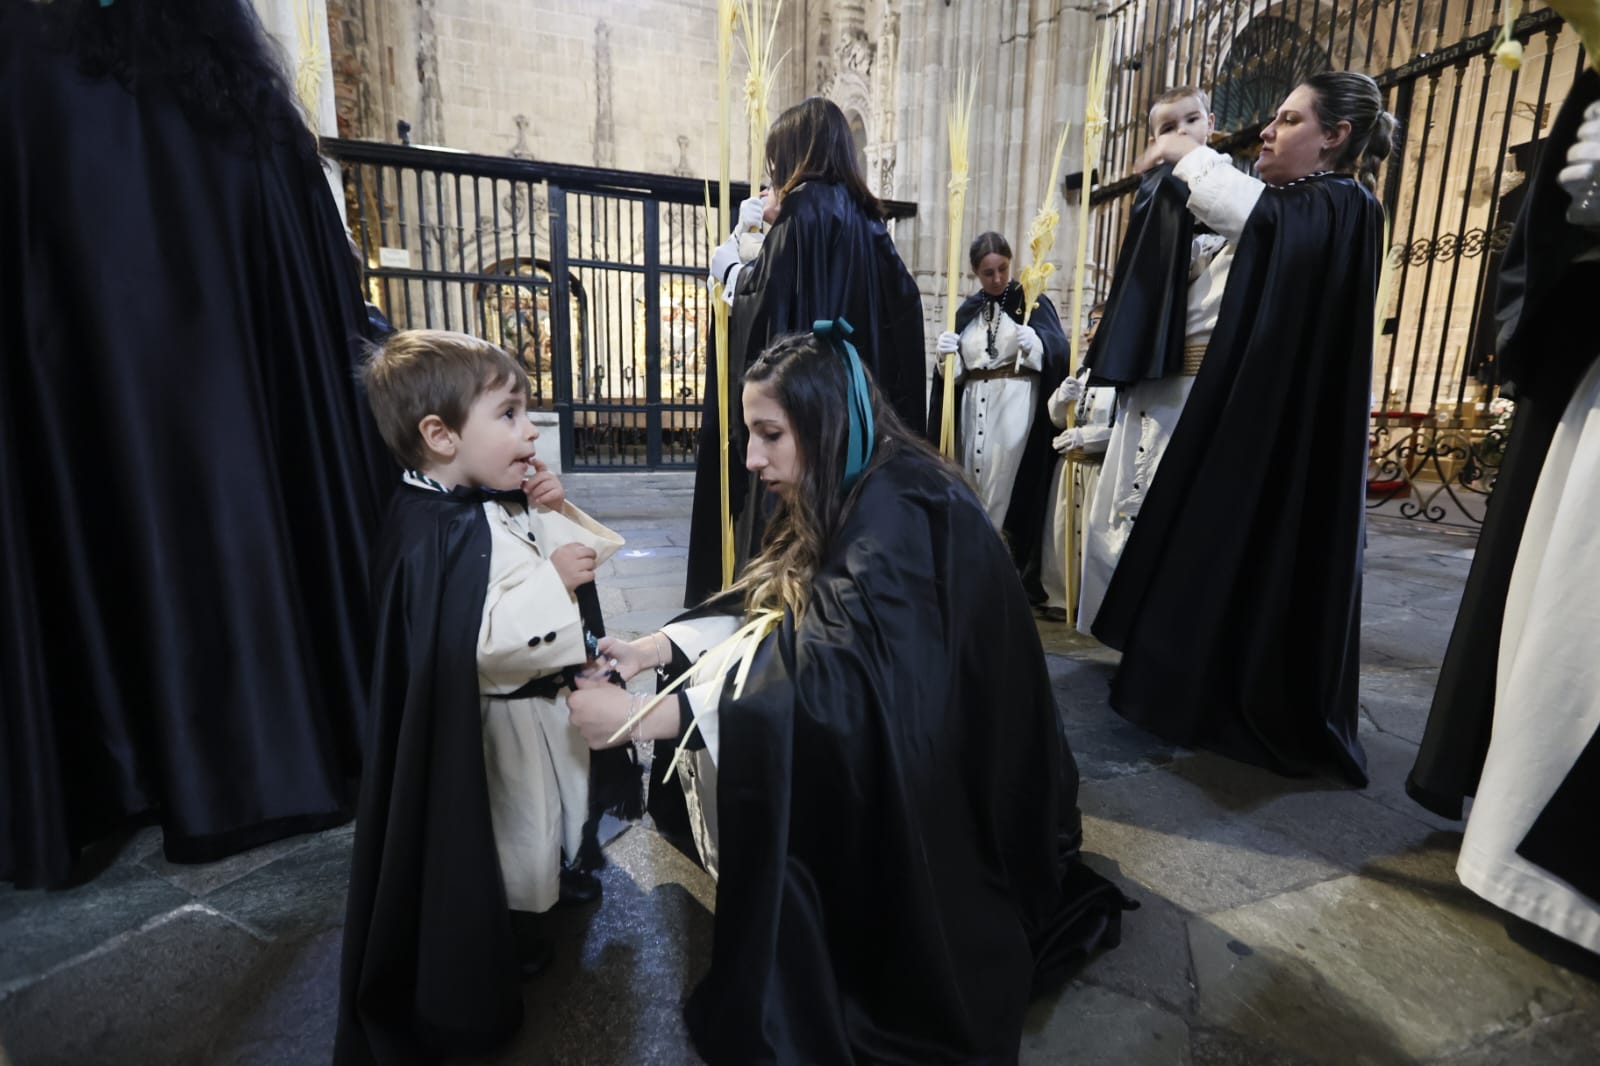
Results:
[544, 688]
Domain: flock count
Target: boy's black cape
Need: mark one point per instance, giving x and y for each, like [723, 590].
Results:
[1237, 601]
[1024, 521]
[897, 806]
[429, 967]
[1141, 333]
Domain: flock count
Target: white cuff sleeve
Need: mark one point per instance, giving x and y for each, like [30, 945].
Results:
[1219, 195]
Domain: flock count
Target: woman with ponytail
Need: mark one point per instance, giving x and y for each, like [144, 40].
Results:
[894, 825]
[1236, 602]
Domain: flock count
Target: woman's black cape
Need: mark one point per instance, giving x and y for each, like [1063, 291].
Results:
[1237, 601]
[897, 806]
[825, 258]
[189, 477]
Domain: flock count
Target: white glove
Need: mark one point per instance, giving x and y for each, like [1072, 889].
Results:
[1069, 390]
[1581, 176]
[725, 261]
[1028, 340]
[750, 214]
[949, 342]
[1067, 440]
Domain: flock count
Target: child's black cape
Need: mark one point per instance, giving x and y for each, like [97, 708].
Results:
[428, 963]
[429, 966]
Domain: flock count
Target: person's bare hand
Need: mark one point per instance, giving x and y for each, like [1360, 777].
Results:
[625, 657]
[544, 488]
[575, 563]
[598, 709]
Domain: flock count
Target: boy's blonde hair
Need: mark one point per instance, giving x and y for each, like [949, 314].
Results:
[1173, 95]
[422, 372]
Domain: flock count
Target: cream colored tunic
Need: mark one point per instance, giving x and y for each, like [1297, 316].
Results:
[538, 764]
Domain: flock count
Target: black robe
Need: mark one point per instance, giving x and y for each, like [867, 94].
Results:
[188, 479]
[1141, 333]
[825, 257]
[1025, 515]
[1544, 352]
[1237, 601]
[897, 805]
[428, 967]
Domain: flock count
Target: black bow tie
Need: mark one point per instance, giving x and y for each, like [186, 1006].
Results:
[479, 494]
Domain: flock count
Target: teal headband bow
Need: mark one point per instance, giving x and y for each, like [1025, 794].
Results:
[858, 451]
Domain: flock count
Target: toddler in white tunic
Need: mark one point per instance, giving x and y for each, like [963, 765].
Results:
[537, 763]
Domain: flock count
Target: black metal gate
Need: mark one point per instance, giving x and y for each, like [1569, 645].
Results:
[593, 278]
[1471, 134]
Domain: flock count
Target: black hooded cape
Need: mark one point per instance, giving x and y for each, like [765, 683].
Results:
[824, 258]
[188, 476]
[897, 805]
[428, 967]
[1237, 601]
[1141, 333]
[1025, 517]
[1544, 352]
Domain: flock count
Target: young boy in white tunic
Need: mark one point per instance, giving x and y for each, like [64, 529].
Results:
[1148, 411]
[453, 410]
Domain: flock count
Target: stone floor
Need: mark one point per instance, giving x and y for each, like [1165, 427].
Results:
[1283, 922]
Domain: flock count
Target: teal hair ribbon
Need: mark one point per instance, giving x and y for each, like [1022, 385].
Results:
[858, 450]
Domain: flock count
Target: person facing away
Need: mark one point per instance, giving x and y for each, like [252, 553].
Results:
[895, 811]
[173, 274]
[476, 786]
[1237, 600]
[1153, 376]
[1005, 372]
[826, 253]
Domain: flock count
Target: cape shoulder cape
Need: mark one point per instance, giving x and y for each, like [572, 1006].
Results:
[1142, 331]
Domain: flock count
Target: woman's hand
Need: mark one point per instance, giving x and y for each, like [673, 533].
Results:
[631, 658]
[598, 709]
[948, 342]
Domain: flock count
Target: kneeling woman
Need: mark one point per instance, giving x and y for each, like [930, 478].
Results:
[897, 824]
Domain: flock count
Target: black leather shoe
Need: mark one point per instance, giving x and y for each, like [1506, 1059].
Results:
[533, 956]
[579, 889]
[1053, 614]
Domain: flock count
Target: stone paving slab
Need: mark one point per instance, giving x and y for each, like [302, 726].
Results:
[1085, 1024]
[1397, 698]
[622, 970]
[1325, 816]
[1172, 838]
[1359, 970]
[154, 996]
[1152, 962]
[42, 930]
[301, 893]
